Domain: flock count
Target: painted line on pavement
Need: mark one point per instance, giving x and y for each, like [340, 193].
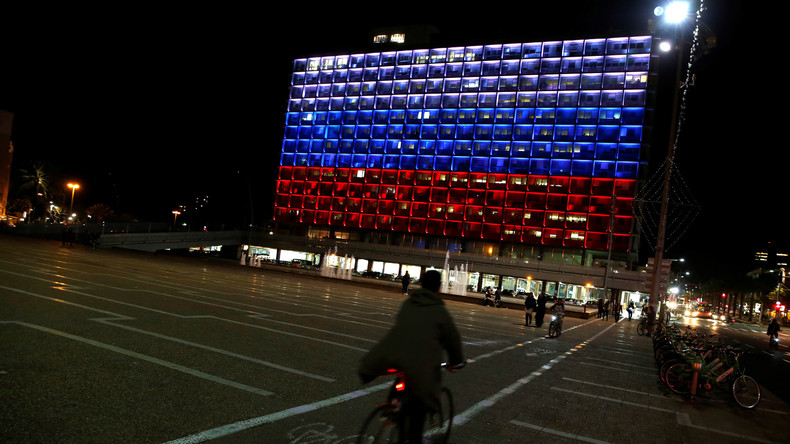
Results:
[120, 317]
[619, 369]
[215, 350]
[151, 359]
[558, 432]
[682, 418]
[609, 387]
[239, 426]
[481, 406]
[685, 420]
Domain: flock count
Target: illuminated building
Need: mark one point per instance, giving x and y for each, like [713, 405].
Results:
[533, 145]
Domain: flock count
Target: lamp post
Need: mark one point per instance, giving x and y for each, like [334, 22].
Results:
[175, 216]
[73, 187]
[675, 13]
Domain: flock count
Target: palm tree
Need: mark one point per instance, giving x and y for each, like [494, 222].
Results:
[36, 180]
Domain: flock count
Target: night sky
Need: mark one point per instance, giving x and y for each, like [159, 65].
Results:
[150, 108]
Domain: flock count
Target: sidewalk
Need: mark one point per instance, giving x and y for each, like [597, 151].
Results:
[620, 375]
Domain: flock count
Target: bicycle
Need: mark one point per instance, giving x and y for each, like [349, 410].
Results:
[724, 371]
[388, 422]
[641, 327]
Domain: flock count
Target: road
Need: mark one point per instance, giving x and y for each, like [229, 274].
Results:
[104, 346]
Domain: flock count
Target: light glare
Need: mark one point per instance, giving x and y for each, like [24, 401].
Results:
[676, 12]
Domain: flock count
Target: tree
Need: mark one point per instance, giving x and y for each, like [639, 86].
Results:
[764, 284]
[35, 180]
[100, 212]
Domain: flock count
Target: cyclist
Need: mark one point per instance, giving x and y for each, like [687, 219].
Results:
[559, 310]
[558, 307]
[773, 331]
[423, 332]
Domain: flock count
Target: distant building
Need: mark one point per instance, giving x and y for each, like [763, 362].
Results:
[771, 257]
[6, 157]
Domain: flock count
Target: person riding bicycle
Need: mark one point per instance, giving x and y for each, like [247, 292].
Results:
[423, 332]
[559, 312]
[558, 307]
[773, 331]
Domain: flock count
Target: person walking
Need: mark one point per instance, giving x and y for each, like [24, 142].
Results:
[540, 309]
[600, 308]
[617, 308]
[405, 281]
[605, 314]
[529, 307]
[423, 332]
[631, 310]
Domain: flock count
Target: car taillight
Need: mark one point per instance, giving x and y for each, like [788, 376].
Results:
[401, 386]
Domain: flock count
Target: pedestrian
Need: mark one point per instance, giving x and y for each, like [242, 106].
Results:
[600, 308]
[605, 314]
[631, 309]
[489, 298]
[497, 298]
[529, 308]
[616, 309]
[773, 332]
[540, 310]
[423, 333]
[406, 280]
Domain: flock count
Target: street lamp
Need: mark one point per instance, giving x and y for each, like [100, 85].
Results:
[175, 216]
[73, 187]
[675, 13]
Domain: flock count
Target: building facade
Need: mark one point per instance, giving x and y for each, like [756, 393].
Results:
[524, 150]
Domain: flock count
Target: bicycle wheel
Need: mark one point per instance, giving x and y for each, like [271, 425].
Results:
[678, 378]
[746, 391]
[662, 370]
[641, 329]
[552, 330]
[379, 427]
[439, 424]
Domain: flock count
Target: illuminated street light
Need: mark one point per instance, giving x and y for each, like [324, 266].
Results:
[674, 13]
[175, 216]
[73, 187]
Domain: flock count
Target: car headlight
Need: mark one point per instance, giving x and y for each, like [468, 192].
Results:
[715, 316]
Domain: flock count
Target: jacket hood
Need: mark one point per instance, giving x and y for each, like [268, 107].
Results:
[422, 296]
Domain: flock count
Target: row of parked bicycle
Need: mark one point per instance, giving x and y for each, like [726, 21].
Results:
[690, 362]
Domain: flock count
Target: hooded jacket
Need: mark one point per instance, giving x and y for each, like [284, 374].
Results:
[416, 344]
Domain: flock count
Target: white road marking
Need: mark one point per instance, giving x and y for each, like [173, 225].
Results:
[558, 432]
[151, 359]
[120, 317]
[239, 426]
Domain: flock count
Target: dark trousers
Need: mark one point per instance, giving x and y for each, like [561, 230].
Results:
[539, 318]
[528, 316]
[415, 420]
